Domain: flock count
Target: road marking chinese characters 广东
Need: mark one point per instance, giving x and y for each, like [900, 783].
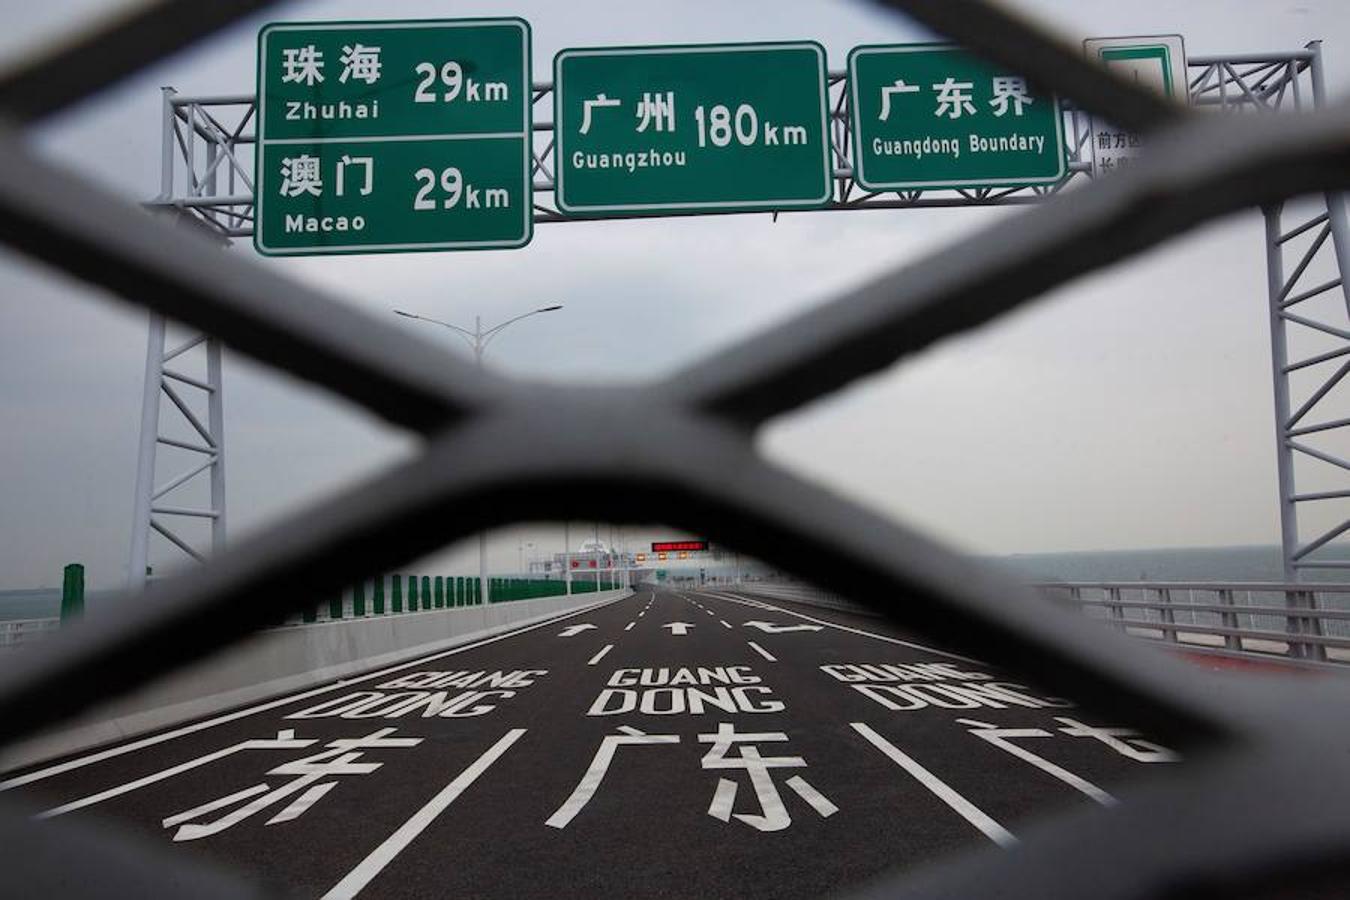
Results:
[773, 815]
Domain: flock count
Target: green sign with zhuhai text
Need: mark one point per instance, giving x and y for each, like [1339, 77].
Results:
[393, 136]
[937, 116]
[691, 128]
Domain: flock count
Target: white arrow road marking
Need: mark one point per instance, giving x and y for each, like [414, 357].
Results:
[572, 630]
[880, 637]
[772, 628]
[601, 655]
[944, 792]
[762, 652]
[678, 627]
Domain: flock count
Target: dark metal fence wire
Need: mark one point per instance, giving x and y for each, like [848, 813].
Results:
[1266, 797]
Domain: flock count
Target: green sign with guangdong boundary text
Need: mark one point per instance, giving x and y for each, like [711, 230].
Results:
[691, 128]
[393, 136]
[937, 116]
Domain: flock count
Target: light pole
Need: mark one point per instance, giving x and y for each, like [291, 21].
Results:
[478, 339]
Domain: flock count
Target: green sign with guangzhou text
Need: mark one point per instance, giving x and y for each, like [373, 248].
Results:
[393, 136]
[702, 128]
[937, 116]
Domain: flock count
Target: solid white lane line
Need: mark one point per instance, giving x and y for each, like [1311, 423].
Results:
[725, 622]
[940, 789]
[393, 845]
[762, 652]
[851, 630]
[141, 744]
[162, 774]
[601, 655]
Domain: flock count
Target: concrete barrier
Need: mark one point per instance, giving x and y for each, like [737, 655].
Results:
[290, 659]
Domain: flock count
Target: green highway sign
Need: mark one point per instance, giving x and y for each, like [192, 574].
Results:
[937, 116]
[691, 128]
[393, 136]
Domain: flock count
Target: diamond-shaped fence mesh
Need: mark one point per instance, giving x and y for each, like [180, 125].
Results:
[1270, 791]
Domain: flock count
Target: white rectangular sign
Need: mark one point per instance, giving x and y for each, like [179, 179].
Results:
[1155, 62]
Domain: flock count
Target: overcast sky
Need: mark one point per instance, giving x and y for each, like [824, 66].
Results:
[1130, 409]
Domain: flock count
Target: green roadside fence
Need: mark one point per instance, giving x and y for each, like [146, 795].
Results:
[397, 594]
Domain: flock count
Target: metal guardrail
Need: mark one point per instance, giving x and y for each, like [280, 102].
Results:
[18, 632]
[1307, 622]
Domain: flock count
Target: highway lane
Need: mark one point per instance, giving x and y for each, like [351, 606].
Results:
[670, 744]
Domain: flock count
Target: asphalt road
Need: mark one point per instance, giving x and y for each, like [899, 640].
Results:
[671, 744]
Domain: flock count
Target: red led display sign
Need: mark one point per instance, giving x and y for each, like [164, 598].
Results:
[673, 546]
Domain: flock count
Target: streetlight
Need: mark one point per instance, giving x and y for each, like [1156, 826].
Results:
[479, 339]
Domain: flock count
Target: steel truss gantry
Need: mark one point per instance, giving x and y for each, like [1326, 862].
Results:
[207, 175]
[195, 400]
[157, 504]
[1307, 251]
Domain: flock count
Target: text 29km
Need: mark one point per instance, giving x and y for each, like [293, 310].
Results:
[456, 85]
[453, 189]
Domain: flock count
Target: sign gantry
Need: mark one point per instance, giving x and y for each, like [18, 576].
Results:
[208, 176]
